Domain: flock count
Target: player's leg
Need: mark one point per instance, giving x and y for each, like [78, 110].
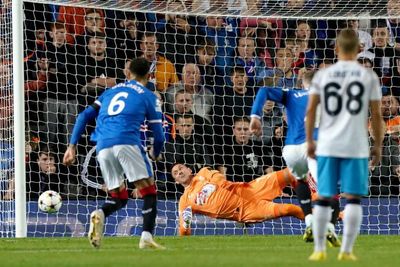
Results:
[296, 159]
[331, 236]
[354, 184]
[328, 177]
[117, 194]
[267, 187]
[138, 169]
[257, 211]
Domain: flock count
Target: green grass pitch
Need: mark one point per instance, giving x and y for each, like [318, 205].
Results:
[268, 251]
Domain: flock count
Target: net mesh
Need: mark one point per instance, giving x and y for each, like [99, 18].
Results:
[209, 58]
[6, 122]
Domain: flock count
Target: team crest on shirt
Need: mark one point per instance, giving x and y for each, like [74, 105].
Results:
[204, 194]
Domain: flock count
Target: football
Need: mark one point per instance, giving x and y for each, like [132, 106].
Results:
[50, 201]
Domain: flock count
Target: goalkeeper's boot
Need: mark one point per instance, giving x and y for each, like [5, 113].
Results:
[308, 234]
[333, 239]
[318, 256]
[96, 228]
[346, 256]
[147, 241]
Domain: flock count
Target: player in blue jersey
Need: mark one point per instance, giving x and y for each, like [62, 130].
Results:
[119, 112]
[295, 149]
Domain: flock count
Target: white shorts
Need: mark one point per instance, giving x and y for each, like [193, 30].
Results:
[123, 159]
[298, 162]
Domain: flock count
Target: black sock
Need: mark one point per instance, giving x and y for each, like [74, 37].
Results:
[112, 205]
[335, 211]
[149, 212]
[304, 195]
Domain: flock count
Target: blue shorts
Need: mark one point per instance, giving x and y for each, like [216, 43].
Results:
[350, 173]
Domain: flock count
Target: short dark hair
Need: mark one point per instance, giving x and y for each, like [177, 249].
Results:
[238, 69]
[46, 150]
[238, 119]
[139, 66]
[363, 60]
[149, 34]
[184, 116]
[98, 34]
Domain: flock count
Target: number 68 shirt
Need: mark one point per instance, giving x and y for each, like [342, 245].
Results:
[345, 90]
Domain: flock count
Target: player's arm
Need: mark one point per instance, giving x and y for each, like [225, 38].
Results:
[89, 114]
[313, 102]
[185, 218]
[265, 93]
[377, 127]
[154, 118]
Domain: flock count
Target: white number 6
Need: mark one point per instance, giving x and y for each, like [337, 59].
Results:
[118, 103]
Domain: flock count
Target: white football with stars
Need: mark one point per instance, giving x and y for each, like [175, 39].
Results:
[50, 201]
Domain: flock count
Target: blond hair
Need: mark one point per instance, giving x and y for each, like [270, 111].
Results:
[347, 41]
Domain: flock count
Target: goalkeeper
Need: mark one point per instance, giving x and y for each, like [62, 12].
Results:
[209, 193]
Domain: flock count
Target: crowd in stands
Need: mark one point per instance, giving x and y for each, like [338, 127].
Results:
[205, 69]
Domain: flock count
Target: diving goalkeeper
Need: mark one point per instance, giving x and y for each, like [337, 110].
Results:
[209, 193]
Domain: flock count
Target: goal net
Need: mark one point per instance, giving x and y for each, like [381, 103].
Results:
[208, 59]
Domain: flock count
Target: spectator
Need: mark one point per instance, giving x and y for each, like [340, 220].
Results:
[276, 144]
[385, 178]
[187, 147]
[75, 20]
[35, 89]
[391, 113]
[44, 175]
[239, 157]
[283, 74]
[183, 105]
[224, 31]
[36, 18]
[393, 10]
[178, 37]
[203, 99]
[272, 118]
[162, 71]
[125, 36]
[307, 56]
[37, 43]
[386, 57]
[235, 103]
[364, 37]
[94, 23]
[97, 71]
[60, 108]
[366, 59]
[205, 59]
[247, 58]
[267, 33]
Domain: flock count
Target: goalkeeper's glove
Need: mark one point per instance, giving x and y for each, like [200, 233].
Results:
[187, 217]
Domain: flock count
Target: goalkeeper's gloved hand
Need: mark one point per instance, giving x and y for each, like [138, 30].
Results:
[187, 217]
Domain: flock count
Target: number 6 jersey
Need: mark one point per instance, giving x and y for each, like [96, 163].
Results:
[345, 90]
[119, 112]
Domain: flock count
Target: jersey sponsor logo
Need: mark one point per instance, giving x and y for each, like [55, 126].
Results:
[252, 160]
[204, 194]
